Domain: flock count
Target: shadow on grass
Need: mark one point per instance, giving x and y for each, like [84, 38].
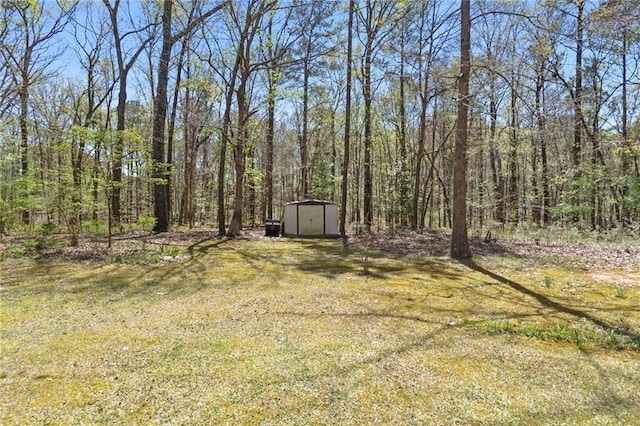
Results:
[202, 247]
[113, 281]
[331, 258]
[545, 301]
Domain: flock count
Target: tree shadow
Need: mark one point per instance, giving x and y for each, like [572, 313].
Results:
[331, 258]
[545, 301]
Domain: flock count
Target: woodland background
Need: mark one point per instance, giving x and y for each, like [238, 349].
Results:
[116, 113]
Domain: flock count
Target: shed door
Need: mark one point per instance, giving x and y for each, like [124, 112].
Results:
[311, 220]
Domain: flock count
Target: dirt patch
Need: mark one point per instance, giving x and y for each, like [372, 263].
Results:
[626, 279]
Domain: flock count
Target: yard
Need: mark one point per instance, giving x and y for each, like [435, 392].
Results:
[196, 330]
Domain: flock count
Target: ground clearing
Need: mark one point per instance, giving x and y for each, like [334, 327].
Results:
[307, 332]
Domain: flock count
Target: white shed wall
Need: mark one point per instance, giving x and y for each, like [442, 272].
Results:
[331, 219]
[290, 219]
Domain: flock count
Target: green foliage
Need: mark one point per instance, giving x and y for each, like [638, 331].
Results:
[134, 259]
[170, 251]
[532, 331]
[13, 251]
[322, 181]
[145, 223]
[559, 332]
[499, 327]
[567, 213]
[613, 339]
[46, 228]
[622, 292]
[95, 227]
[35, 244]
[578, 339]
[398, 199]
[629, 188]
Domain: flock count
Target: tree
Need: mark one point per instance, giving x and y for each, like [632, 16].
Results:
[90, 37]
[125, 65]
[347, 126]
[314, 35]
[161, 105]
[540, 52]
[577, 94]
[617, 23]
[254, 13]
[275, 51]
[375, 17]
[459, 239]
[27, 55]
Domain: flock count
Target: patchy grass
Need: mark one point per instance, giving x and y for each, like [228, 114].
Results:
[308, 332]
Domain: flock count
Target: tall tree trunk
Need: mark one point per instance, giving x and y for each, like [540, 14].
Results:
[76, 193]
[542, 142]
[123, 72]
[160, 208]
[419, 160]
[172, 126]
[494, 158]
[577, 99]
[304, 138]
[422, 135]
[235, 228]
[251, 164]
[334, 151]
[188, 136]
[271, 118]
[512, 188]
[243, 59]
[347, 126]
[628, 152]
[24, 134]
[118, 147]
[224, 142]
[402, 138]
[160, 110]
[459, 239]
[368, 138]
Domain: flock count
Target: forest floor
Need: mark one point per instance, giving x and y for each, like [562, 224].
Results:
[586, 255]
[183, 328]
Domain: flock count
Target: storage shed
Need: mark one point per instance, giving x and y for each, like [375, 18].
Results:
[310, 218]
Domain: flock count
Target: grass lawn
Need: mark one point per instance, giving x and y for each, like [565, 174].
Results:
[307, 332]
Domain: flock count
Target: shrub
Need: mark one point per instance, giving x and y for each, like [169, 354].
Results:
[95, 227]
[46, 228]
[146, 223]
[560, 333]
[35, 244]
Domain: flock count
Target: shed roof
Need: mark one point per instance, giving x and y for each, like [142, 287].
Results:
[310, 202]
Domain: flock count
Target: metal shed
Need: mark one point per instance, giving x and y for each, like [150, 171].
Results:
[310, 218]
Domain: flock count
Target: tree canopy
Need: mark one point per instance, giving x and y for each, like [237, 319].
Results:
[214, 112]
